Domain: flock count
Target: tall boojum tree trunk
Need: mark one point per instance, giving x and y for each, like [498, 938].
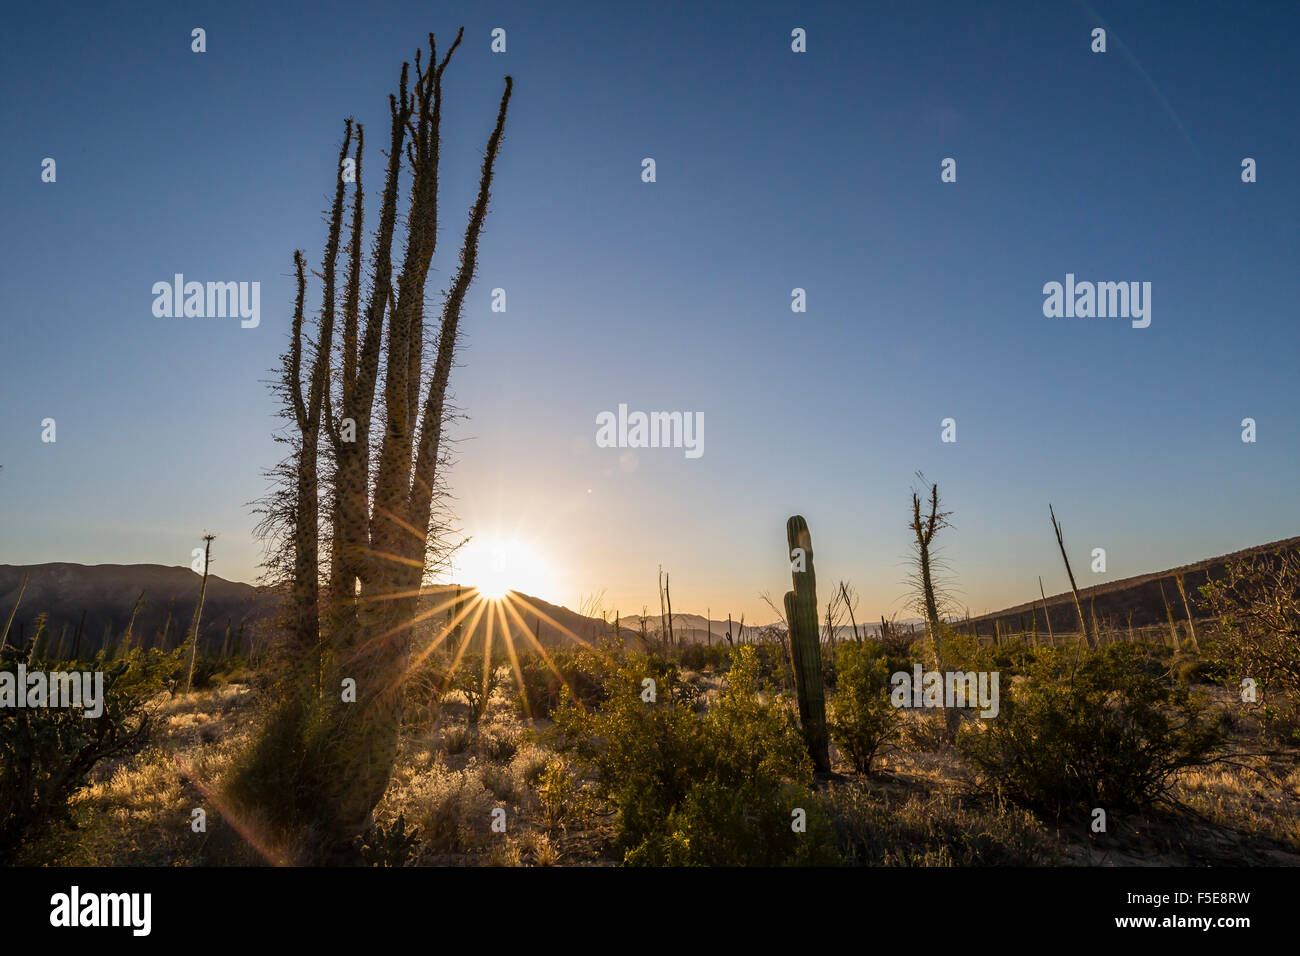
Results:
[380, 537]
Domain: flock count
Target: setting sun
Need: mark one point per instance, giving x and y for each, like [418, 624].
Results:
[495, 567]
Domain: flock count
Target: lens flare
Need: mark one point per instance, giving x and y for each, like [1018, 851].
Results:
[495, 567]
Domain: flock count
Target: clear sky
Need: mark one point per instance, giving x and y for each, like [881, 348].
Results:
[775, 170]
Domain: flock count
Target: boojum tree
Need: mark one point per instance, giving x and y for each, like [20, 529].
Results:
[353, 622]
[929, 594]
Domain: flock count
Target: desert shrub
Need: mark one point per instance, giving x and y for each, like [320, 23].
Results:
[1257, 632]
[862, 718]
[774, 667]
[209, 672]
[456, 738]
[581, 670]
[500, 781]
[755, 774]
[1091, 728]
[643, 755]
[717, 790]
[452, 809]
[422, 692]
[558, 791]
[476, 681]
[48, 753]
[529, 763]
[498, 742]
[689, 691]
[389, 846]
[699, 657]
[537, 849]
[1195, 669]
[508, 853]
[900, 642]
[1012, 656]
[925, 730]
[965, 652]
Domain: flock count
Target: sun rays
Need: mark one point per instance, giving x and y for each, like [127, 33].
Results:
[468, 620]
[499, 625]
[496, 625]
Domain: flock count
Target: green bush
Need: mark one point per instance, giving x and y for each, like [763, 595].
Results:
[717, 790]
[643, 755]
[476, 680]
[47, 753]
[862, 718]
[1256, 634]
[558, 793]
[422, 692]
[1091, 729]
[389, 846]
[699, 657]
[755, 774]
[964, 652]
[774, 667]
[1012, 656]
[581, 670]
[210, 671]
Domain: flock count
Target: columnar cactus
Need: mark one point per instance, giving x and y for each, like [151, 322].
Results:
[805, 649]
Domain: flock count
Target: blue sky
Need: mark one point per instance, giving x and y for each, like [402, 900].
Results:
[775, 170]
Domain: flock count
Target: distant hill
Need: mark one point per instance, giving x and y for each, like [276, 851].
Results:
[95, 602]
[687, 628]
[695, 629]
[89, 604]
[1136, 600]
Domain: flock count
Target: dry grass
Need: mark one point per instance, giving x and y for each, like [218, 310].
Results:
[138, 812]
[918, 809]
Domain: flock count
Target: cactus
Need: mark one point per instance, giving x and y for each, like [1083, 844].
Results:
[801, 613]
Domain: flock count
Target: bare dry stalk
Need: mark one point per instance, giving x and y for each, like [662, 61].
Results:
[1078, 605]
[4, 638]
[1191, 625]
